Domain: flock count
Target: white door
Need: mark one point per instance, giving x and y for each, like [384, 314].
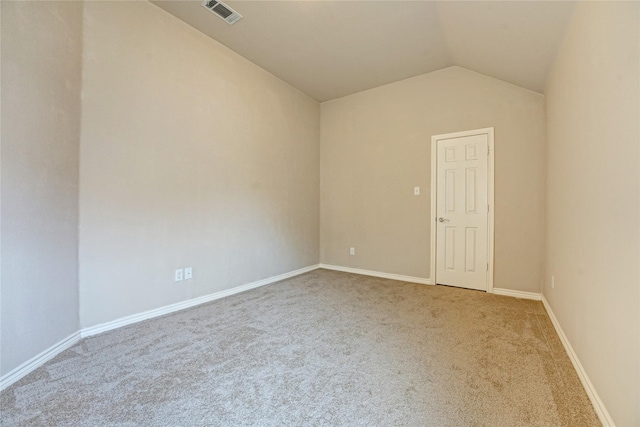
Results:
[462, 211]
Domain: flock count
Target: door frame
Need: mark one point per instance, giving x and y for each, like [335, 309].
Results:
[490, 199]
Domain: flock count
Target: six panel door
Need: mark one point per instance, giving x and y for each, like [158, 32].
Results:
[462, 212]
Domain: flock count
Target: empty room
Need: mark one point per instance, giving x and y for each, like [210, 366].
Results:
[367, 213]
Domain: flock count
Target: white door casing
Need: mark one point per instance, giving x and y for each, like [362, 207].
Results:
[462, 209]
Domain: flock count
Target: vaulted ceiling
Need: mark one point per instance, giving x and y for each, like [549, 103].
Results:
[330, 49]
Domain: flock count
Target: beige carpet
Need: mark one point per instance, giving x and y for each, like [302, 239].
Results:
[325, 348]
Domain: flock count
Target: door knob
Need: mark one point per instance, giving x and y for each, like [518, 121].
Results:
[443, 219]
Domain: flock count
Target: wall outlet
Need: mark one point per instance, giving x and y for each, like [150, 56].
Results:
[188, 273]
[352, 251]
[553, 282]
[179, 275]
[416, 191]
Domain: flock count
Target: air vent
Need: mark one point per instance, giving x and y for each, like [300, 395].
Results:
[229, 15]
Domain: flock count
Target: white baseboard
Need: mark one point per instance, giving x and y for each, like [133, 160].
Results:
[377, 274]
[597, 403]
[161, 311]
[39, 360]
[517, 294]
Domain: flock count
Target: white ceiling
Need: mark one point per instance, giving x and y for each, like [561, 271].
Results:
[330, 49]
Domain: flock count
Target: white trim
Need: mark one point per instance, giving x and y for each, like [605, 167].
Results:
[597, 403]
[161, 311]
[490, 198]
[399, 277]
[434, 206]
[39, 360]
[517, 294]
[491, 202]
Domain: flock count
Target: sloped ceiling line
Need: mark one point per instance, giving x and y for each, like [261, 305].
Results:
[330, 49]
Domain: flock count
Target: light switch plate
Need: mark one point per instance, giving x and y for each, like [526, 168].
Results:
[188, 273]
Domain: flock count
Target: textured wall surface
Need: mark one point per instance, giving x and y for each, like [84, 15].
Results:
[190, 156]
[376, 146]
[593, 187]
[41, 69]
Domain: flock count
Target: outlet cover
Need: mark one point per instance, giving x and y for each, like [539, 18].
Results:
[352, 251]
[179, 275]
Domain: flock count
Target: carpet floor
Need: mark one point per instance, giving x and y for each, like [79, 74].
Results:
[325, 348]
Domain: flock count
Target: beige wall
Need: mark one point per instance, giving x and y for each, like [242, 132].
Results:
[593, 212]
[41, 68]
[376, 146]
[190, 156]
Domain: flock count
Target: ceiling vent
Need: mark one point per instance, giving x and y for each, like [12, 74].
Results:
[229, 15]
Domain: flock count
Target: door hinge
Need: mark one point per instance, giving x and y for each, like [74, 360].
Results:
[488, 148]
[487, 266]
[487, 208]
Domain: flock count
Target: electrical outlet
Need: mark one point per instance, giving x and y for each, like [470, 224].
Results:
[553, 282]
[352, 251]
[188, 273]
[179, 275]
[416, 191]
